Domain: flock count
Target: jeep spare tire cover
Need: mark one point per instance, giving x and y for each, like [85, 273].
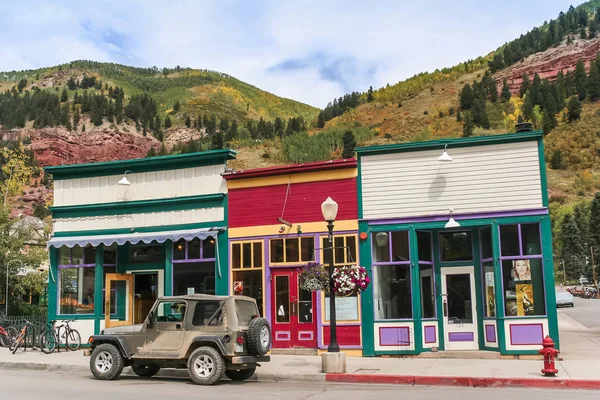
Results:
[259, 337]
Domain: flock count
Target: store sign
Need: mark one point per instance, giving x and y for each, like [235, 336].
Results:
[238, 286]
[190, 290]
[346, 308]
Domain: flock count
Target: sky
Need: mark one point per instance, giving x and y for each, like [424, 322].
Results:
[310, 51]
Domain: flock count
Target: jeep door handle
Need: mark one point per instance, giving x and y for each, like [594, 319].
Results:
[177, 326]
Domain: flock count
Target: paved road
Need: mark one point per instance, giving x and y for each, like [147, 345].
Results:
[35, 385]
[586, 312]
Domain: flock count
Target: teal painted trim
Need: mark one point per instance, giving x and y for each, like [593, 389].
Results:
[366, 299]
[222, 262]
[86, 317]
[359, 191]
[122, 258]
[168, 268]
[500, 333]
[437, 270]
[478, 278]
[460, 142]
[139, 206]
[396, 353]
[520, 352]
[416, 289]
[145, 229]
[98, 286]
[549, 284]
[139, 165]
[53, 284]
[466, 223]
[543, 177]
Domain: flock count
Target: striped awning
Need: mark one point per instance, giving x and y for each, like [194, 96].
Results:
[133, 237]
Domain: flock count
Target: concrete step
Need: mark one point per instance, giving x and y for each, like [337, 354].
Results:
[294, 352]
[466, 354]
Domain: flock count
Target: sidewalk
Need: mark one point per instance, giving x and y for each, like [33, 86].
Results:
[573, 374]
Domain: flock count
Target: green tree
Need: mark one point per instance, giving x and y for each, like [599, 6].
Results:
[320, 120]
[458, 117]
[505, 91]
[71, 84]
[573, 109]
[176, 106]
[370, 94]
[188, 121]
[468, 126]
[64, 96]
[594, 223]
[572, 247]
[349, 142]
[168, 122]
[593, 89]
[479, 114]
[580, 78]
[556, 160]
[524, 85]
[467, 97]
[217, 141]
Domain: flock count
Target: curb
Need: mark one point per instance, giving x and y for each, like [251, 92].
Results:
[541, 383]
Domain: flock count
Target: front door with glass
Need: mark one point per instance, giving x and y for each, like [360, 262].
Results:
[119, 288]
[294, 319]
[458, 307]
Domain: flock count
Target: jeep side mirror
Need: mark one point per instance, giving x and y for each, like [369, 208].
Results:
[150, 319]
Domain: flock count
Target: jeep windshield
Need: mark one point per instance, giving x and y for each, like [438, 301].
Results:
[246, 310]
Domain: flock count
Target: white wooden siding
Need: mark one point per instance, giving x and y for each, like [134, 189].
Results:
[139, 220]
[479, 179]
[144, 186]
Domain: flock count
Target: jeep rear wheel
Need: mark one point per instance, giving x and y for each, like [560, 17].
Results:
[145, 370]
[241, 374]
[206, 366]
[106, 362]
[259, 337]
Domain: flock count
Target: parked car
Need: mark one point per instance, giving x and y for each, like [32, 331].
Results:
[584, 281]
[209, 335]
[564, 299]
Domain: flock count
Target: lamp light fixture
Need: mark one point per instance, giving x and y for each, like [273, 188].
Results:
[381, 238]
[124, 181]
[445, 156]
[452, 223]
[329, 208]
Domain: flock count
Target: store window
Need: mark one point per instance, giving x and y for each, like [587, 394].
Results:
[487, 272]
[193, 278]
[344, 250]
[147, 253]
[292, 250]
[247, 270]
[522, 270]
[109, 267]
[195, 249]
[76, 270]
[391, 279]
[426, 275]
[456, 246]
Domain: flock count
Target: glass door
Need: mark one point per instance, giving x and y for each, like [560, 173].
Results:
[120, 290]
[458, 306]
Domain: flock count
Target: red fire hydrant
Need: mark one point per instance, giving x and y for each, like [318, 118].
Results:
[549, 352]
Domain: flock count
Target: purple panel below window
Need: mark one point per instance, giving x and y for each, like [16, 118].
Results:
[461, 336]
[490, 333]
[399, 336]
[430, 336]
[526, 334]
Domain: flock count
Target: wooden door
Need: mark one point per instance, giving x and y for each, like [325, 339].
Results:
[119, 289]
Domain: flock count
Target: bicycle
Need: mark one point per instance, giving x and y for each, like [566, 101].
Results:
[21, 339]
[50, 339]
[7, 333]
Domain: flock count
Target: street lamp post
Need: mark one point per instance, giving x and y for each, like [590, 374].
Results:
[6, 295]
[329, 208]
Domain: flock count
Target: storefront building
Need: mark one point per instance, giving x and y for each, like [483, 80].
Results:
[458, 246]
[275, 228]
[126, 232]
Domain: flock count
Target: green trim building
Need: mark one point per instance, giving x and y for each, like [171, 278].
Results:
[125, 232]
[459, 246]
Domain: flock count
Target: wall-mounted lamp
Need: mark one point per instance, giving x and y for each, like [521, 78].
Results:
[363, 236]
[452, 223]
[381, 238]
[211, 240]
[299, 229]
[281, 229]
[445, 156]
[124, 181]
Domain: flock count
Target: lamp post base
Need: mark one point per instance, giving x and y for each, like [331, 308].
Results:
[333, 363]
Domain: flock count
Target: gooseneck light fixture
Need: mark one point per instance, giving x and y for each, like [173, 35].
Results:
[452, 223]
[445, 156]
[124, 181]
[329, 208]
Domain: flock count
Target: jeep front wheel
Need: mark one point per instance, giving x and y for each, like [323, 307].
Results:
[106, 362]
[241, 374]
[145, 370]
[206, 366]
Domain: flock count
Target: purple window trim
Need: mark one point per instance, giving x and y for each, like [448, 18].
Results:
[383, 264]
[520, 257]
[194, 260]
[444, 218]
[186, 259]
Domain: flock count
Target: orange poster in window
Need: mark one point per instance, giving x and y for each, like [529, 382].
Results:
[525, 300]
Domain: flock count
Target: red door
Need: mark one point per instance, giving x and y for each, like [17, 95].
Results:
[294, 313]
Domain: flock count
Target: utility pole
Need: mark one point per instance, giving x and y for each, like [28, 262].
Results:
[593, 268]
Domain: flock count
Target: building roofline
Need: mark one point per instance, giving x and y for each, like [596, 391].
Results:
[451, 142]
[292, 169]
[137, 165]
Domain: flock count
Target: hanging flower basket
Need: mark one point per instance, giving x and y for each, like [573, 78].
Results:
[350, 280]
[314, 276]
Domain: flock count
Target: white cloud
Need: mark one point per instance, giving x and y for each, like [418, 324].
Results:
[340, 45]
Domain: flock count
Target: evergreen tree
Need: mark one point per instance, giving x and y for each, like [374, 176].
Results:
[593, 29]
[224, 125]
[76, 118]
[593, 89]
[468, 126]
[467, 97]
[349, 145]
[556, 160]
[479, 114]
[64, 96]
[176, 106]
[370, 94]
[232, 133]
[83, 128]
[22, 84]
[560, 84]
[573, 109]
[548, 122]
[594, 224]
[505, 91]
[321, 120]
[217, 141]
[580, 79]
[168, 122]
[583, 33]
[188, 121]
[524, 85]
[458, 117]
[572, 247]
